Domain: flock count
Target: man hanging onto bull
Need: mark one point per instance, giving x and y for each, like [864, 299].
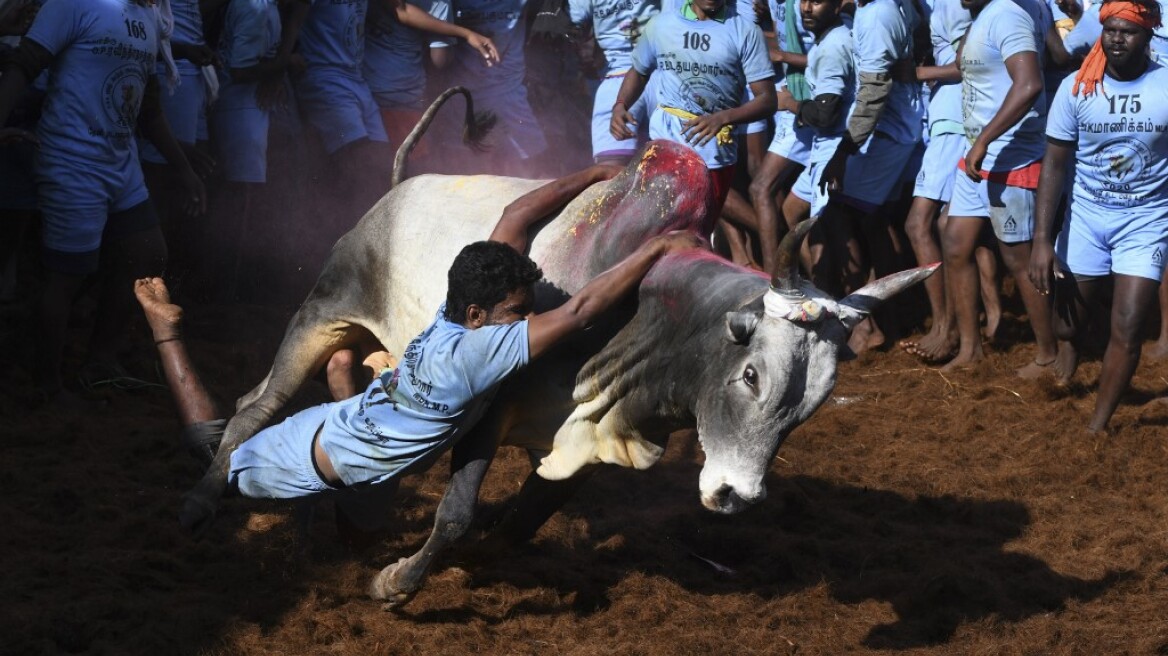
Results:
[704, 54]
[358, 449]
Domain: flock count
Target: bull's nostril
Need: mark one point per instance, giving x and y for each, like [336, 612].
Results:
[723, 493]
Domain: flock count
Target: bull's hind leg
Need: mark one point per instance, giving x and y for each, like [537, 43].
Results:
[399, 582]
[307, 346]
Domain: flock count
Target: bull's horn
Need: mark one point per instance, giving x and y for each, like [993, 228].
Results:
[786, 276]
[870, 296]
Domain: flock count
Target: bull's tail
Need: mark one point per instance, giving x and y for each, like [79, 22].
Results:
[474, 132]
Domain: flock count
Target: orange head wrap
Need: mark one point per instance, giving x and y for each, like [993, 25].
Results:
[1090, 73]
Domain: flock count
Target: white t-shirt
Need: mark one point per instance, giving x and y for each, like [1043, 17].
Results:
[617, 25]
[1002, 30]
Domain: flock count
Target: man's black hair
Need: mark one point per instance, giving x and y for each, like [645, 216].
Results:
[483, 274]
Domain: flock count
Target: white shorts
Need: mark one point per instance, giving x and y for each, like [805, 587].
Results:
[604, 145]
[806, 186]
[791, 142]
[874, 172]
[1127, 243]
[935, 179]
[1010, 209]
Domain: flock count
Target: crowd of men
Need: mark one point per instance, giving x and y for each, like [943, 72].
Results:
[968, 131]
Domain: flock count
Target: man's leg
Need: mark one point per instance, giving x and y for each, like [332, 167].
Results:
[987, 270]
[939, 342]
[958, 242]
[1159, 350]
[1074, 297]
[772, 172]
[1133, 295]
[133, 247]
[1017, 259]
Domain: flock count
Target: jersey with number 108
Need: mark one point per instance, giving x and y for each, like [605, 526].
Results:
[1121, 138]
[703, 67]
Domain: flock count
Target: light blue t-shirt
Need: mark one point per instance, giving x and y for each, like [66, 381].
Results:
[393, 65]
[104, 51]
[334, 34]
[409, 416]
[882, 34]
[251, 32]
[188, 22]
[617, 25]
[502, 22]
[1121, 137]
[702, 67]
[831, 69]
[1002, 30]
[948, 23]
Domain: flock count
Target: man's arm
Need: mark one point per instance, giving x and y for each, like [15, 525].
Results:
[418, 19]
[1026, 85]
[1050, 190]
[631, 89]
[699, 130]
[152, 123]
[604, 291]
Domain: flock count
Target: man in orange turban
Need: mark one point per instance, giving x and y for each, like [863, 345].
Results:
[1111, 120]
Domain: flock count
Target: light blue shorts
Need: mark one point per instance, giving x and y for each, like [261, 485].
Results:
[791, 142]
[1009, 209]
[518, 127]
[806, 186]
[277, 462]
[935, 179]
[182, 109]
[77, 197]
[241, 134]
[340, 106]
[873, 173]
[1130, 244]
[603, 143]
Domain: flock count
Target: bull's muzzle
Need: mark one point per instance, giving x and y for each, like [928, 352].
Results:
[728, 500]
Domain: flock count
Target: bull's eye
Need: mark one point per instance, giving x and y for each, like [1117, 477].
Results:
[750, 377]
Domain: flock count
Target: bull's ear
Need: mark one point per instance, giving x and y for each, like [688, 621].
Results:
[740, 326]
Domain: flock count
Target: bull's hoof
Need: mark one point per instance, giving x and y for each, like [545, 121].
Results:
[383, 587]
[197, 514]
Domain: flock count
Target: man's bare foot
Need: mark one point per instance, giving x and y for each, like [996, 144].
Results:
[866, 335]
[993, 314]
[937, 346]
[1066, 363]
[164, 317]
[1037, 368]
[1159, 350]
[963, 359]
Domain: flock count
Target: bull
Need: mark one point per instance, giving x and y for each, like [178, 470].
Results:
[707, 344]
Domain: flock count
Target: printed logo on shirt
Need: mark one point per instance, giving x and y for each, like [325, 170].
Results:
[1119, 166]
[122, 96]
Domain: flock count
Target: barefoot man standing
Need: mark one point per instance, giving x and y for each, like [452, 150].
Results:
[1111, 123]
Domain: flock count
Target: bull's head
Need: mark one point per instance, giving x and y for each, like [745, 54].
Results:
[779, 368]
[711, 344]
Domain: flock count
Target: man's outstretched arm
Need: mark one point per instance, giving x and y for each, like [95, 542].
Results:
[604, 291]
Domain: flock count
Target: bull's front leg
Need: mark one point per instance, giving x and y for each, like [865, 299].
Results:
[399, 582]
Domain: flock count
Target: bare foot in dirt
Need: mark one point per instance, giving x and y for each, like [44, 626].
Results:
[963, 360]
[936, 346]
[1157, 351]
[866, 335]
[993, 316]
[1066, 363]
[1035, 369]
[164, 317]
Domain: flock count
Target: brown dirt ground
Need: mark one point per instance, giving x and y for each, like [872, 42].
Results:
[915, 513]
